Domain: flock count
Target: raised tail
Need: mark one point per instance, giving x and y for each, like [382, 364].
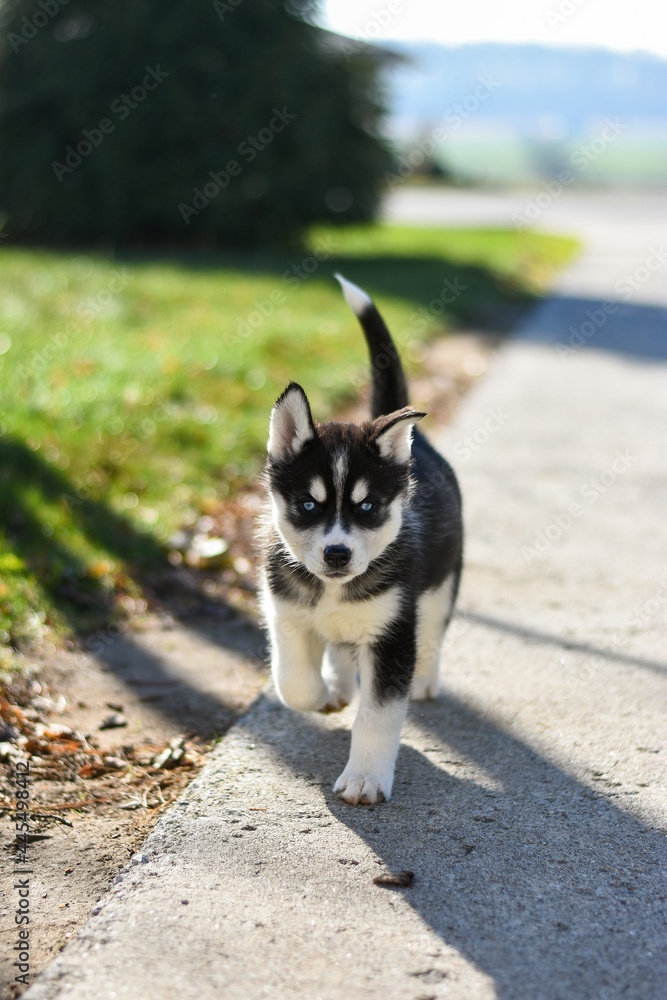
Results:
[389, 388]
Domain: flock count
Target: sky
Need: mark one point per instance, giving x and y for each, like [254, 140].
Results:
[621, 25]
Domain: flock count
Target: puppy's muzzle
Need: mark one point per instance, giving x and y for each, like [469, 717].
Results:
[337, 556]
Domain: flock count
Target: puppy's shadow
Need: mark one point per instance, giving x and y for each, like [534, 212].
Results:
[539, 882]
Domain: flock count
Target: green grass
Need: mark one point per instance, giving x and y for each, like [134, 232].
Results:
[134, 391]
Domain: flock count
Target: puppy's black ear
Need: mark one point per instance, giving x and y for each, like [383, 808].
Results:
[291, 424]
[393, 434]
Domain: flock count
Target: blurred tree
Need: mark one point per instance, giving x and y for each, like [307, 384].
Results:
[219, 122]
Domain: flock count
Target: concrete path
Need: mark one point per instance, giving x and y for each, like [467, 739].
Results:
[592, 215]
[529, 798]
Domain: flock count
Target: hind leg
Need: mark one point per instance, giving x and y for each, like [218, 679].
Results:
[426, 682]
[339, 671]
[435, 610]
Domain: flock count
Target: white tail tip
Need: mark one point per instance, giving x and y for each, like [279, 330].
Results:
[356, 297]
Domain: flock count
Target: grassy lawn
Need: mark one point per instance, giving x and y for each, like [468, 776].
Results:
[135, 392]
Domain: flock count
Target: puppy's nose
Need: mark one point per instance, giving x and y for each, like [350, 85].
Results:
[337, 556]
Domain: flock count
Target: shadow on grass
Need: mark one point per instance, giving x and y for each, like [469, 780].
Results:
[88, 606]
[465, 294]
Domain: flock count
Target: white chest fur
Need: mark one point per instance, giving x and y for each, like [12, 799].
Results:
[338, 621]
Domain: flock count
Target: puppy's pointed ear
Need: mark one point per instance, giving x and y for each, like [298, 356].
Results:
[393, 434]
[291, 424]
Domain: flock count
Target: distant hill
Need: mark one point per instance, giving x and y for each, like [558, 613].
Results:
[544, 102]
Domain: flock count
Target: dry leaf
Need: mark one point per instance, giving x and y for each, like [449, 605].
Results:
[395, 879]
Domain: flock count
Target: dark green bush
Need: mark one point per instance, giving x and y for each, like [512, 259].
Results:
[181, 122]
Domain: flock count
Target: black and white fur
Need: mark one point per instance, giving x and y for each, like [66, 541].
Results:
[362, 560]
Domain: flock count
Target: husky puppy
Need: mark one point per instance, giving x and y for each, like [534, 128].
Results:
[362, 560]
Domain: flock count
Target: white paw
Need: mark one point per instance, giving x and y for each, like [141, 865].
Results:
[424, 688]
[305, 693]
[361, 788]
[335, 703]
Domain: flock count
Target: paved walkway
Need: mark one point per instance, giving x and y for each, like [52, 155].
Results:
[528, 799]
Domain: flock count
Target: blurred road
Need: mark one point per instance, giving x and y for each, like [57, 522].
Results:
[530, 798]
[590, 215]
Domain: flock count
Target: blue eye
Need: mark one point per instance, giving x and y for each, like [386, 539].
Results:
[308, 505]
[366, 506]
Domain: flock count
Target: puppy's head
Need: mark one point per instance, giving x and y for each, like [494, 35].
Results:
[337, 491]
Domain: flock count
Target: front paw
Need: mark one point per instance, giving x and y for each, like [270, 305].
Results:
[362, 789]
[305, 693]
